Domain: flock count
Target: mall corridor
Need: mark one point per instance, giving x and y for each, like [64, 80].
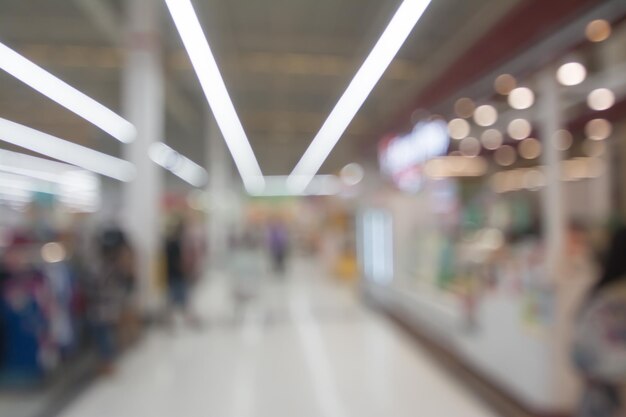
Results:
[437, 186]
[306, 347]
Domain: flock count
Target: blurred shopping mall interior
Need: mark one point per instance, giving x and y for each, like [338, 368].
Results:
[324, 208]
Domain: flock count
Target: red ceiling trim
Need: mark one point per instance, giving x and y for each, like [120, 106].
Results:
[525, 24]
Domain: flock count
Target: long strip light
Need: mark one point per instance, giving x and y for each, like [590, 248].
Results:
[177, 164]
[62, 150]
[212, 83]
[67, 96]
[394, 36]
[43, 169]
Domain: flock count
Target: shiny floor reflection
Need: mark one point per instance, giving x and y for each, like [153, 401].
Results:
[304, 346]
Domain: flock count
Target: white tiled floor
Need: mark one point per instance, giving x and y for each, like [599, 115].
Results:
[305, 347]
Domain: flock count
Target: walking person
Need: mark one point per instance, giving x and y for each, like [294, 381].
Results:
[278, 245]
[178, 271]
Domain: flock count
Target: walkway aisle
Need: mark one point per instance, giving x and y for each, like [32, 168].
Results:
[304, 348]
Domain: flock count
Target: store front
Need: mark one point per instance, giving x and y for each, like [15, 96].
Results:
[495, 241]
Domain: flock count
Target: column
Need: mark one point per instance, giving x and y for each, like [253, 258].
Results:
[143, 102]
[554, 229]
[553, 214]
[218, 192]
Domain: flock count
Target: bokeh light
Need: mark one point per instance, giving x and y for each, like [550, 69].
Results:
[601, 99]
[352, 174]
[53, 252]
[504, 84]
[470, 146]
[485, 115]
[598, 129]
[458, 128]
[491, 139]
[598, 30]
[519, 129]
[464, 107]
[521, 98]
[563, 140]
[505, 156]
[572, 73]
[530, 148]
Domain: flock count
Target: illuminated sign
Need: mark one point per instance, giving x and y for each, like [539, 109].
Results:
[402, 158]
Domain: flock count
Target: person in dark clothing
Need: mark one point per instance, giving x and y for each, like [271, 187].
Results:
[278, 245]
[109, 293]
[178, 274]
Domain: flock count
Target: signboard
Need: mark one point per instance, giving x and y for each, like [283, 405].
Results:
[402, 157]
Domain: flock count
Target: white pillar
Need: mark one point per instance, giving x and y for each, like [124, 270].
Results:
[143, 102]
[555, 223]
[218, 191]
[553, 214]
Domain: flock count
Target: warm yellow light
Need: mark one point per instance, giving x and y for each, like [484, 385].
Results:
[491, 139]
[485, 115]
[505, 156]
[470, 147]
[53, 252]
[598, 129]
[352, 174]
[464, 107]
[601, 99]
[598, 30]
[519, 129]
[458, 128]
[504, 84]
[534, 179]
[456, 166]
[521, 98]
[530, 148]
[562, 140]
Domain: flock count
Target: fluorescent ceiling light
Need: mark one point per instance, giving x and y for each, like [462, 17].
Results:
[401, 25]
[47, 170]
[65, 151]
[67, 96]
[320, 185]
[208, 73]
[177, 164]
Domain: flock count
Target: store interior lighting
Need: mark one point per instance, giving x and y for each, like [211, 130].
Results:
[212, 84]
[504, 84]
[394, 36]
[62, 150]
[32, 166]
[485, 115]
[179, 165]
[320, 185]
[75, 188]
[598, 129]
[571, 73]
[464, 107]
[521, 98]
[491, 139]
[601, 99]
[456, 166]
[458, 128]
[67, 96]
[352, 174]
